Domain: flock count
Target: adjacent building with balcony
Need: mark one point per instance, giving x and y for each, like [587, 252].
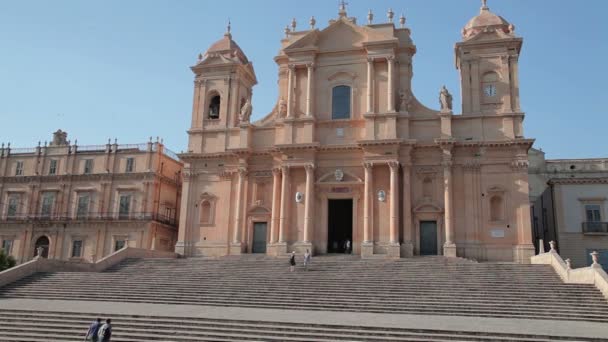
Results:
[84, 202]
[569, 204]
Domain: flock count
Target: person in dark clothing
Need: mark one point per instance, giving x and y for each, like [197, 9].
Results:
[292, 261]
[93, 329]
[105, 332]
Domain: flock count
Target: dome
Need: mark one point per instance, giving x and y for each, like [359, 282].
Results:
[227, 46]
[484, 21]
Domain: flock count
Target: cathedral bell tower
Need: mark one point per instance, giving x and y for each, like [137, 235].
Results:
[487, 58]
[224, 79]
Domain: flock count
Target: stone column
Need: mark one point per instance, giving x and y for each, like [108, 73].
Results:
[367, 246]
[290, 74]
[367, 231]
[284, 202]
[274, 224]
[309, 90]
[391, 93]
[394, 250]
[309, 202]
[370, 85]
[449, 248]
[186, 208]
[238, 218]
[408, 244]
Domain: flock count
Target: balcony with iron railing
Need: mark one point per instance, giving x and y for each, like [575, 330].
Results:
[591, 227]
[89, 217]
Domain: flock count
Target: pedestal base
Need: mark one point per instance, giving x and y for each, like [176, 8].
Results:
[180, 248]
[523, 253]
[236, 248]
[407, 249]
[393, 250]
[276, 249]
[367, 249]
[449, 250]
[301, 247]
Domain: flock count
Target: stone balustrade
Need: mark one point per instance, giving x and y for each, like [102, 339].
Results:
[40, 264]
[593, 274]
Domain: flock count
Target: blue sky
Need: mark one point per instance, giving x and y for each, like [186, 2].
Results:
[116, 68]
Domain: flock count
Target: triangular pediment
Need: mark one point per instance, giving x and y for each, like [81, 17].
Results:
[341, 35]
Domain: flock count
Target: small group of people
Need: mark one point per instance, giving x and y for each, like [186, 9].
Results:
[346, 246]
[292, 260]
[99, 332]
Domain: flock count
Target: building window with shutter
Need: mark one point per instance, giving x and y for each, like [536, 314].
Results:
[88, 166]
[53, 167]
[77, 249]
[19, 169]
[124, 206]
[130, 165]
[82, 209]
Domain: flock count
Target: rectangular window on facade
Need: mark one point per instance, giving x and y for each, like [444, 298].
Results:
[48, 200]
[592, 213]
[77, 249]
[130, 164]
[82, 209]
[88, 166]
[7, 246]
[53, 167]
[118, 245]
[13, 206]
[124, 206]
[19, 169]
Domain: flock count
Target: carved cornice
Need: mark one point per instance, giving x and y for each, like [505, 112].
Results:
[95, 177]
[520, 165]
[471, 165]
[379, 142]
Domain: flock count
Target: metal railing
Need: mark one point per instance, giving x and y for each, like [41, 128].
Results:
[110, 216]
[595, 227]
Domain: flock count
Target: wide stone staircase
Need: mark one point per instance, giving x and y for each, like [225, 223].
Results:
[425, 285]
[21, 326]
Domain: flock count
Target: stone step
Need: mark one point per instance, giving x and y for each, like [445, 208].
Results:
[187, 329]
[388, 300]
[433, 309]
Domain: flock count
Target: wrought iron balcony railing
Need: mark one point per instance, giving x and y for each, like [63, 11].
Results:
[595, 227]
[111, 216]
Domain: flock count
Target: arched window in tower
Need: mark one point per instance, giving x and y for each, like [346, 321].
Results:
[427, 188]
[214, 107]
[496, 208]
[340, 102]
[489, 85]
[205, 212]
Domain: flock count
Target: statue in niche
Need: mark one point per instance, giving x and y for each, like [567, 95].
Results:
[282, 108]
[445, 99]
[404, 104]
[246, 111]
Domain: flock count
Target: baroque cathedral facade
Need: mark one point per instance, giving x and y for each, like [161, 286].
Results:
[349, 154]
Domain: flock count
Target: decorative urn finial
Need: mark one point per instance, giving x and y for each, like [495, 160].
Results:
[287, 31]
[484, 5]
[402, 21]
[312, 22]
[293, 24]
[390, 14]
[370, 17]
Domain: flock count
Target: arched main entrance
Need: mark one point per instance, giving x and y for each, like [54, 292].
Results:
[43, 242]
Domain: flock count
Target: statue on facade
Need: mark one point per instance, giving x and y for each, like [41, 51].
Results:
[445, 99]
[59, 138]
[246, 111]
[282, 108]
[404, 104]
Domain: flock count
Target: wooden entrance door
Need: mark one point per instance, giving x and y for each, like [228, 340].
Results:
[259, 237]
[428, 238]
